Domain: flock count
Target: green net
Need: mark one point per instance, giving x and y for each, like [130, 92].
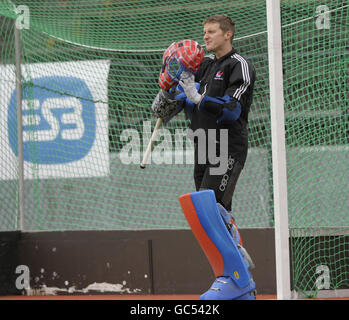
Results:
[315, 58]
[126, 40]
[89, 76]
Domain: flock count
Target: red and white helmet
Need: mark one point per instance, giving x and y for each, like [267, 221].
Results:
[185, 55]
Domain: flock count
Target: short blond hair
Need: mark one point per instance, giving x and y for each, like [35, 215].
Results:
[225, 22]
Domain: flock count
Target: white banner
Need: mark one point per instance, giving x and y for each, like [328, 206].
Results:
[65, 120]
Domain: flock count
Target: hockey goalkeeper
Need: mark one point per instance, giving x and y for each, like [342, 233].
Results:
[215, 92]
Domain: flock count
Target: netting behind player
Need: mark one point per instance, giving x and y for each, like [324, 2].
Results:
[130, 38]
[99, 63]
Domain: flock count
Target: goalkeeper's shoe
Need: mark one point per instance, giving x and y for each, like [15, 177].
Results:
[218, 236]
[224, 288]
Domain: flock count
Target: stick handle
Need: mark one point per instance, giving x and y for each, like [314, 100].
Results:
[151, 143]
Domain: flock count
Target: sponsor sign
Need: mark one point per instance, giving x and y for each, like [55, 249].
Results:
[64, 116]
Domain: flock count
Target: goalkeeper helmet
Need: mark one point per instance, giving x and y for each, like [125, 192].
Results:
[185, 55]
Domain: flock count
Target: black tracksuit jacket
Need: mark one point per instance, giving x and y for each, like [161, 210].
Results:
[231, 75]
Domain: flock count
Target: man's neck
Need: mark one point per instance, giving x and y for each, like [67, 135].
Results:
[223, 51]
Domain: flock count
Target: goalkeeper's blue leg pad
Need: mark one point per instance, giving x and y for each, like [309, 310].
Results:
[229, 260]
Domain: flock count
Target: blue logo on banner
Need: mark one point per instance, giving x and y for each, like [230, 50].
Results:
[57, 128]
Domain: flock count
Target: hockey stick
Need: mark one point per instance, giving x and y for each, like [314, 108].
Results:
[151, 143]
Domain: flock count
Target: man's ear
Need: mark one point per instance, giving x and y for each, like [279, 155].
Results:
[229, 34]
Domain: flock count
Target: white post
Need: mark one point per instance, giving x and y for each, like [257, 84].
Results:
[278, 150]
[19, 128]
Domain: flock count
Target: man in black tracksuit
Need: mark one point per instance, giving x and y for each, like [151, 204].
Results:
[223, 101]
[220, 103]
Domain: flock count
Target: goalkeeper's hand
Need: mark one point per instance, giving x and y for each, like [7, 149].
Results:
[224, 109]
[187, 104]
[187, 82]
[165, 106]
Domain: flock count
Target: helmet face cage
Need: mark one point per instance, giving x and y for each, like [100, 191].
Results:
[175, 68]
[185, 55]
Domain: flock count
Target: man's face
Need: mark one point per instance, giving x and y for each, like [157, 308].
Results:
[214, 37]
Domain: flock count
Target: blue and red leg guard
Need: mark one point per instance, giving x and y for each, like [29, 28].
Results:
[222, 245]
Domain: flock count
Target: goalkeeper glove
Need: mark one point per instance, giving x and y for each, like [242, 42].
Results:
[189, 86]
[224, 109]
[187, 104]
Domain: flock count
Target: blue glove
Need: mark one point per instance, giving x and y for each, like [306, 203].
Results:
[229, 116]
[222, 109]
[187, 104]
